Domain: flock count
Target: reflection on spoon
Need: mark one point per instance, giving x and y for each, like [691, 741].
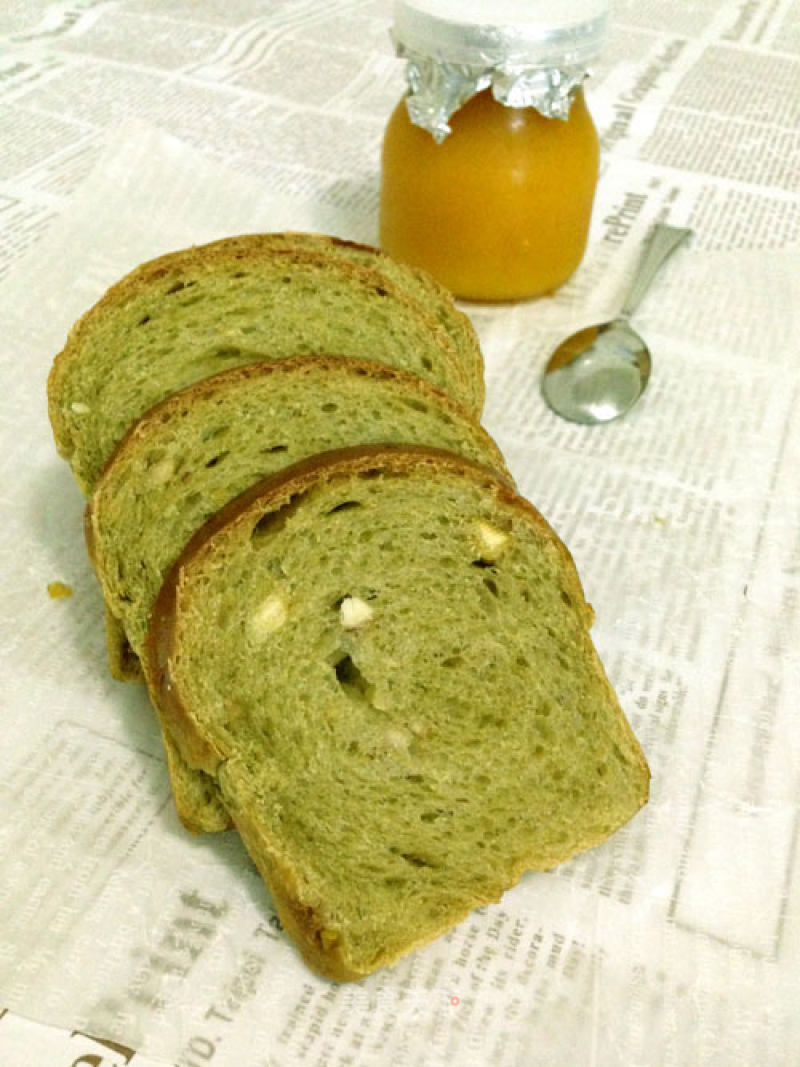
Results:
[598, 373]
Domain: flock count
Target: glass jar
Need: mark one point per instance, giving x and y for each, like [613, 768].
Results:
[490, 161]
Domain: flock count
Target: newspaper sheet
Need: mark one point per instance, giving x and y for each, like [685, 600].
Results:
[130, 127]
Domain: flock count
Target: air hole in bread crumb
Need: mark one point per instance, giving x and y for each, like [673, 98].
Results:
[143, 321]
[351, 679]
[346, 670]
[228, 352]
[427, 362]
[345, 505]
[216, 459]
[271, 522]
[177, 287]
[415, 861]
[273, 449]
[491, 585]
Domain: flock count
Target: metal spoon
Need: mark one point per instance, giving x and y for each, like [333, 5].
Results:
[598, 373]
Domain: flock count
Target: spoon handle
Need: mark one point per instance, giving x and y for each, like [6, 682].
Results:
[660, 244]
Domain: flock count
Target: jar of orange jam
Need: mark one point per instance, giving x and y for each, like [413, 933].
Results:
[490, 161]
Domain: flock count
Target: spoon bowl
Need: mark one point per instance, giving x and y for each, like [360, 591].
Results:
[598, 373]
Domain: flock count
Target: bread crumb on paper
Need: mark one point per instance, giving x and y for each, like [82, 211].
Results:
[59, 590]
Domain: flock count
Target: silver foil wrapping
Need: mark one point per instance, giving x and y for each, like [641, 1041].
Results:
[436, 89]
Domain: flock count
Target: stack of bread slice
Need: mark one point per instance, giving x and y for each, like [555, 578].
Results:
[367, 652]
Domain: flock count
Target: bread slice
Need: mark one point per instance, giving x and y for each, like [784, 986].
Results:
[383, 657]
[190, 314]
[194, 452]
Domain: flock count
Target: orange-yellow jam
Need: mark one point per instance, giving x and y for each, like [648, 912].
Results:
[500, 209]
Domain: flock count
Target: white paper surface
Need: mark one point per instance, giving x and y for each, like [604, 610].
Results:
[678, 941]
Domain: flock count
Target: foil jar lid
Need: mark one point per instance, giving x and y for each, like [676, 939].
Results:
[531, 53]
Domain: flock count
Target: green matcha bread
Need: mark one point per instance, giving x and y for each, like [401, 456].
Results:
[382, 656]
[417, 283]
[190, 314]
[191, 454]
